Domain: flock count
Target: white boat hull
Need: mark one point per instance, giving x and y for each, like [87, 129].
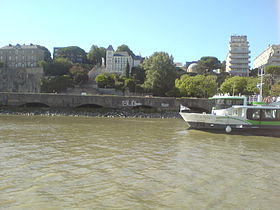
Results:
[212, 119]
[227, 124]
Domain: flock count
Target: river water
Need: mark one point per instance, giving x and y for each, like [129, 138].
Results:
[116, 163]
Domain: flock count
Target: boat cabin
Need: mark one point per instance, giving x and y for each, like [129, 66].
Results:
[225, 102]
[263, 113]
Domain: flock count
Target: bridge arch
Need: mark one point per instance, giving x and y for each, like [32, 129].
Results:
[91, 106]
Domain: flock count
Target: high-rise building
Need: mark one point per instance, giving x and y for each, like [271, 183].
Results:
[237, 62]
[270, 56]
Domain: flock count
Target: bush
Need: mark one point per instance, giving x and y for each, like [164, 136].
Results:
[56, 84]
[105, 80]
[79, 74]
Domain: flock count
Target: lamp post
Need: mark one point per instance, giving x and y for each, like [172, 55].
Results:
[261, 85]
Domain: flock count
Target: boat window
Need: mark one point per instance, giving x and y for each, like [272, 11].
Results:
[227, 103]
[253, 114]
[270, 115]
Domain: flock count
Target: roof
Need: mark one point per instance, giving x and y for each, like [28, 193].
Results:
[227, 97]
[110, 48]
[121, 54]
[137, 57]
[18, 46]
[256, 107]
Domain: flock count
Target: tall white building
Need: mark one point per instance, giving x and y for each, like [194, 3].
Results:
[270, 56]
[116, 62]
[237, 62]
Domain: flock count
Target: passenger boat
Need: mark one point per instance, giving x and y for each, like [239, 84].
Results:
[232, 114]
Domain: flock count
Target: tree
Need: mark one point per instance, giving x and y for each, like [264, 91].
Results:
[160, 73]
[254, 72]
[240, 85]
[73, 53]
[56, 84]
[125, 48]
[47, 54]
[105, 80]
[96, 54]
[79, 74]
[275, 90]
[1, 64]
[127, 69]
[223, 67]
[234, 85]
[58, 67]
[208, 64]
[197, 86]
[130, 84]
[138, 73]
[273, 70]
[251, 86]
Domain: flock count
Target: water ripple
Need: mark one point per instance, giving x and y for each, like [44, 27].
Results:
[86, 163]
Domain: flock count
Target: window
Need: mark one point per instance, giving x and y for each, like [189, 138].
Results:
[253, 114]
[263, 114]
[270, 114]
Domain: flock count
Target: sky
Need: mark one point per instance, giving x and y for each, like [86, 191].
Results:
[186, 29]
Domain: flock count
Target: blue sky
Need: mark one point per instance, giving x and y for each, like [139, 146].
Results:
[187, 29]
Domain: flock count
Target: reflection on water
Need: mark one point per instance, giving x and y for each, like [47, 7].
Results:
[86, 163]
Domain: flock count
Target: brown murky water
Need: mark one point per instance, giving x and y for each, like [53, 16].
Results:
[102, 163]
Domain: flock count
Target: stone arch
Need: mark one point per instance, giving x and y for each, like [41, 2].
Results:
[92, 106]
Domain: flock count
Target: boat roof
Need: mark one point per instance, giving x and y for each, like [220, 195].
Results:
[257, 107]
[227, 97]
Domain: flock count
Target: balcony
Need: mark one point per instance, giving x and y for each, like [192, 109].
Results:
[240, 62]
[239, 67]
[245, 56]
[240, 52]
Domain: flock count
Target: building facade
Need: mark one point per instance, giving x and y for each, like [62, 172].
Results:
[21, 56]
[116, 62]
[270, 56]
[238, 58]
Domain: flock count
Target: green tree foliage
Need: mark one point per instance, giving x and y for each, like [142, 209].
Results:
[240, 85]
[138, 73]
[56, 84]
[73, 53]
[197, 86]
[208, 64]
[223, 67]
[58, 67]
[275, 90]
[127, 69]
[79, 74]
[130, 84]
[160, 73]
[254, 72]
[47, 54]
[96, 54]
[105, 80]
[125, 48]
[1, 64]
[273, 70]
